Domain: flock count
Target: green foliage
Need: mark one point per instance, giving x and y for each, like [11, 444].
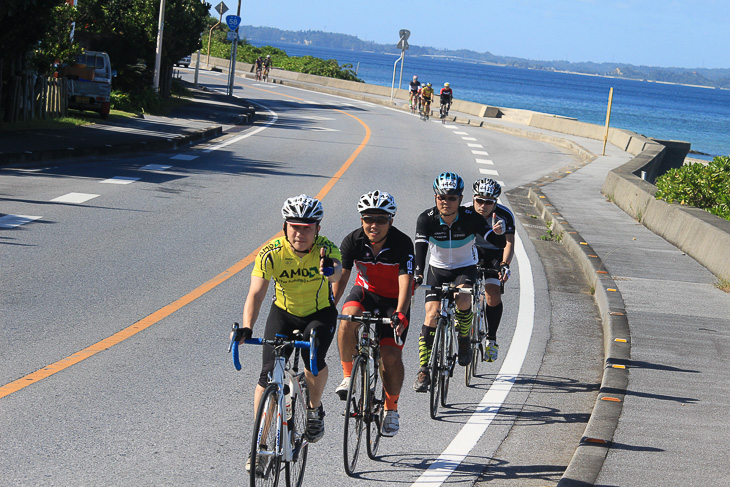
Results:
[248, 53]
[703, 186]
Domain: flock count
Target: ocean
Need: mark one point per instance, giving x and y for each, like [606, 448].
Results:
[697, 115]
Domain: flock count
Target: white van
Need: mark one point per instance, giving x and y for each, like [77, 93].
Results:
[89, 82]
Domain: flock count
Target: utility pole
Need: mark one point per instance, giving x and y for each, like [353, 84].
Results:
[158, 54]
[234, 49]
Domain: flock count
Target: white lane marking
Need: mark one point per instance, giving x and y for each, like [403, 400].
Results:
[367, 103]
[120, 180]
[440, 470]
[491, 172]
[451, 126]
[469, 138]
[12, 221]
[501, 183]
[268, 124]
[155, 167]
[75, 198]
[475, 146]
[312, 117]
[184, 157]
[320, 129]
[480, 153]
[484, 161]
[461, 133]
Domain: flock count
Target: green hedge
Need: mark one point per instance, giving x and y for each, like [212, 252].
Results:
[247, 53]
[703, 186]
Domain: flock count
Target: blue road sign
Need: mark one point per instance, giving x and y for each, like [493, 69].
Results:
[233, 21]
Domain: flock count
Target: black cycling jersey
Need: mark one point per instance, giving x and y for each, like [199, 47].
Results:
[415, 85]
[494, 241]
[378, 273]
[450, 247]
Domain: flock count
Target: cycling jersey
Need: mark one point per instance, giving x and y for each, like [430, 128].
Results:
[450, 247]
[494, 241]
[378, 273]
[415, 86]
[267, 62]
[426, 93]
[446, 95]
[300, 288]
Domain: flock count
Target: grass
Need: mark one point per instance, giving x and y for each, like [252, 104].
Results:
[723, 285]
[550, 235]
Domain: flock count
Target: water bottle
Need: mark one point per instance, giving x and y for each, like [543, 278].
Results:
[287, 398]
[372, 372]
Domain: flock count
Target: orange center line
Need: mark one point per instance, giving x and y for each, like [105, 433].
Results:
[178, 304]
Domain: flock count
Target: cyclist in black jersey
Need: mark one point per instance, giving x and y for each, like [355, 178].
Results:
[495, 253]
[447, 232]
[415, 86]
[383, 256]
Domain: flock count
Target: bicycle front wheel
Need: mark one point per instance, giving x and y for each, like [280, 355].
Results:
[297, 427]
[354, 415]
[265, 460]
[437, 368]
[449, 361]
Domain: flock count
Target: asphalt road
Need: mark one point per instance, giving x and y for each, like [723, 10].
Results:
[122, 292]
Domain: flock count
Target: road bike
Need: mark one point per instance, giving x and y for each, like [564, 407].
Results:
[266, 74]
[478, 333]
[258, 74]
[426, 110]
[444, 111]
[278, 442]
[415, 102]
[365, 406]
[443, 354]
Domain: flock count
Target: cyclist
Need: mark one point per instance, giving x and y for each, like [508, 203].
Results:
[415, 86]
[383, 256]
[259, 66]
[496, 252]
[303, 265]
[447, 95]
[268, 64]
[426, 94]
[447, 232]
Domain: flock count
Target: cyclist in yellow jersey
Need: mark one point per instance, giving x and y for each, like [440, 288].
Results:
[426, 96]
[303, 265]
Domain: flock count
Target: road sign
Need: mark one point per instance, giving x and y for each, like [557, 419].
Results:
[221, 8]
[403, 45]
[405, 34]
[232, 35]
[233, 21]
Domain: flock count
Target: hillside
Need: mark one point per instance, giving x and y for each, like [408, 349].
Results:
[700, 76]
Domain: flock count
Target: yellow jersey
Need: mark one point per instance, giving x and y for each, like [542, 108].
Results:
[300, 289]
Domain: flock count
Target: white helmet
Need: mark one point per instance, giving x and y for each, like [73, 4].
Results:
[302, 208]
[377, 201]
[487, 188]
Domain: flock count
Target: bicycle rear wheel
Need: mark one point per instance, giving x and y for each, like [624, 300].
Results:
[354, 415]
[374, 417]
[437, 368]
[297, 427]
[265, 460]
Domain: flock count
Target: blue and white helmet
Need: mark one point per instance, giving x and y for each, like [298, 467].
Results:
[302, 208]
[448, 183]
[377, 201]
[487, 188]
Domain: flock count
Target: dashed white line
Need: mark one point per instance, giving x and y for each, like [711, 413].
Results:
[12, 221]
[468, 138]
[184, 157]
[155, 167]
[461, 133]
[485, 161]
[490, 172]
[75, 198]
[475, 146]
[120, 180]
[480, 153]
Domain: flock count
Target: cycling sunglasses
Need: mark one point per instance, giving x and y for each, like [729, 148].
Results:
[484, 201]
[447, 198]
[379, 220]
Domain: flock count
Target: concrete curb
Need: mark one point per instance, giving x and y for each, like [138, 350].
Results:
[591, 452]
[172, 142]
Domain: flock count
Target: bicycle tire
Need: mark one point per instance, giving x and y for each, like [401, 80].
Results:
[449, 364]
[437, 368]
[470, 369]
[265, 433]
[297, 427]
[374, 417]
[354, 415]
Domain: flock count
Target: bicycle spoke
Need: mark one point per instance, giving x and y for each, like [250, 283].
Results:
[354, 415]
[374, 419]
[265, 460]
[297, 427]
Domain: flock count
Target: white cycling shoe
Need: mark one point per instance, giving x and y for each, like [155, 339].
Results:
[343, 388]
[492, 351]
[390, 424]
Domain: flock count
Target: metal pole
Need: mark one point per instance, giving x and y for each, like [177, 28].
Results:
[234, 53]
[158, 55]
[402, 55]
[608, 119]
[392, 84]
[210, 34]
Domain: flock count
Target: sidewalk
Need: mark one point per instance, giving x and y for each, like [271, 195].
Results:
[203, 117]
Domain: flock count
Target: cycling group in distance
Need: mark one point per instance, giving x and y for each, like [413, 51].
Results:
[421, 95]
[263, 66]
[311, 275]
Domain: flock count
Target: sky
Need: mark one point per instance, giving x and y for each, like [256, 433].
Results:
[687, 33]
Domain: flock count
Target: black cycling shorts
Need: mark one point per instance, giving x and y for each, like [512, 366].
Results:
[436, 277]
[489, 260]
[368, 301]
[284, 323]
